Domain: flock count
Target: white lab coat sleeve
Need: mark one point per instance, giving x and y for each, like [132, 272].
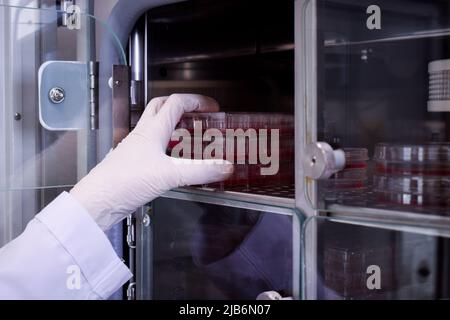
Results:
[62, 254]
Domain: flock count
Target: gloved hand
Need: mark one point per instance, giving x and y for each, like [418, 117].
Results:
[138, 169]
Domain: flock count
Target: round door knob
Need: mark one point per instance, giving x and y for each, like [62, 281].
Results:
[320, 161]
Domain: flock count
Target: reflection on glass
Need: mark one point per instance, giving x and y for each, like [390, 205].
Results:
[344, 260]
[204, 251]
[31, 156]
[383, 88]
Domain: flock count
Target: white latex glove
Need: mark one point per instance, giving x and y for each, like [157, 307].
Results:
[138, 169]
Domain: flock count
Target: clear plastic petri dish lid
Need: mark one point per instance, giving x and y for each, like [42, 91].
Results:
[208, 120]
[415, 202]
[346, 180]
[261, 120]
[356, 154]
[336, 185]
[238, 120]
[413, 160]
[418, 185]
[424, 153]
[351, 174]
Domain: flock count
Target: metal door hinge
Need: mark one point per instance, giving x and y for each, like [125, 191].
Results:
[93, 94]
[131, 234]
[71, 15]
[68, 103]
[131, 242]
[131, 291]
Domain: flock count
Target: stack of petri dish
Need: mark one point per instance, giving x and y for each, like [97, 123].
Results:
[345, 271]
[193, 127]
[352, 178]
[413, 176]
[246, 140]
[346, 267]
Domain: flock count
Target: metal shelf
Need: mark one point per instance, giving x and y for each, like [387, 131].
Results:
[264, 198]
[412, 36]
[363, 208]
[237, 53]
[391, 220]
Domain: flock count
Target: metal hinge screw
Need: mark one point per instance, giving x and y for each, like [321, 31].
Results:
[17, 116]
[146, 220]
[56, 95]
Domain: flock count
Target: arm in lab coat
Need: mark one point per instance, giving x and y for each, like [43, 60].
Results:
[62, 254]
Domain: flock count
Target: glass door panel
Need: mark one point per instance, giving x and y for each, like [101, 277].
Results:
[49, 87]
[354, 259]
[379, 94]
[193, 250]
[47, 142]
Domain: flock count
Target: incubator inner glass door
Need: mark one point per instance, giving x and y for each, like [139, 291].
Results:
[52, 84]
[51, 77]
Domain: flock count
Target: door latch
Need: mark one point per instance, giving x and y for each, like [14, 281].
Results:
[320, 161]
